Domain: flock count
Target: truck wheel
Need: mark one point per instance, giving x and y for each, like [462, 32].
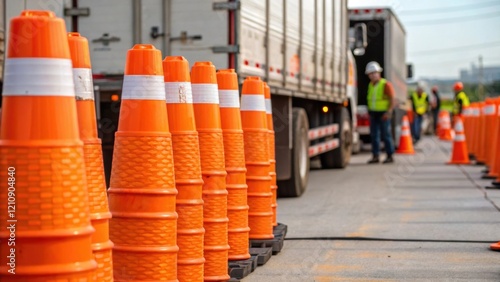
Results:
[340, 157]
[296, 185]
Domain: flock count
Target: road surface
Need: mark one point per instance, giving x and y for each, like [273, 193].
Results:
[415, 220]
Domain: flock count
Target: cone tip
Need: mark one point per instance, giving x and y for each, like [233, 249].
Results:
[199, 64]
[144, 47]
[226, 71]
[74, 34]
[38, 13]
[174, 59]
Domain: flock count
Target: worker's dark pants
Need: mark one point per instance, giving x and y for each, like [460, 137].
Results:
[436, 115]
[417, 126]
[377, 126]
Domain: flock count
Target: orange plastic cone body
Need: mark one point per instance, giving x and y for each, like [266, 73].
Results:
[256, 135]
[476, 128]
[466, 118]
[469, 127]
[490, 130]
[445, 133]
[87, 123]
[460, 155]
[272, 154]
[440, 121]
[142, 189]
[208, 124]
[44, 198]
[495, 163]
[495, 246]
[234, 154]
[481, 152]
[188, 179]
[405, 141]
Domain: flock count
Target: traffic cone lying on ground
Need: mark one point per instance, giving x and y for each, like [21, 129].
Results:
[405, 141]
[188, 179]
[234, 153]
[87, 124]
[459, 155]
[495, 246]
[208, 124]
[272, 154]
[445, 131]
[142, 189]
[256, 134]
[44, 200]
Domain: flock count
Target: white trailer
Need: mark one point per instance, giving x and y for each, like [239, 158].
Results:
[300, 47]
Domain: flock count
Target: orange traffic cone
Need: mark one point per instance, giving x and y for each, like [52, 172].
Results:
[490, 119]
[272, 154]
[469, 128]
[255, 133]
[477, 129]
[446, 127]
[142, 188]
[234, 153]
[492, 140]
[481, 151]
[208, 123]
[495, 246]
[188, 179]
[87, 123]
[466, 118]
[44, 202]
[460, 155]
[405, 141]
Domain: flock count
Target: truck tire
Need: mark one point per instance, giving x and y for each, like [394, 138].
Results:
[340, 157]
[296, 185]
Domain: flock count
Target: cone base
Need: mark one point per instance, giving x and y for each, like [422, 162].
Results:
[217, 278]
[239, 257]
[495, 246]
[406, 152]
[490, 176]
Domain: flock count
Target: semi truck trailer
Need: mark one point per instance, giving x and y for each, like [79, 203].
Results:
[299, 47]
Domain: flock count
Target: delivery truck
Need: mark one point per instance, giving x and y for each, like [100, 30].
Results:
[299, 47]
[386, 44]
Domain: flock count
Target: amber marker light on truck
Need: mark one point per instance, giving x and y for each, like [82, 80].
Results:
[325, 109]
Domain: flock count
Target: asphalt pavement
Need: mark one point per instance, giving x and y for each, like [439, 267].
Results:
[415, 220]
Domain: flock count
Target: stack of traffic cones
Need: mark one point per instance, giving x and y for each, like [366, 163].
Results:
[272, 154]
[256, 134]
[87, 123]
[405, 141]
[234, 153]
[460, 155]
[208, 124]
[44, 202]
[188, 179]
[491, 128]
[445, 126]
[142, 188]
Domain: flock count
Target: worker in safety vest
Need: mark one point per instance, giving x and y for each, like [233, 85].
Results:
[381, 104]
[420, 104]
[461, 99]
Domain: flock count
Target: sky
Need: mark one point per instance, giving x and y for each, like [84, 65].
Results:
[445, 36]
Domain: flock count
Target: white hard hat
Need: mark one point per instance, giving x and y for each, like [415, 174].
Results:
[373, 67]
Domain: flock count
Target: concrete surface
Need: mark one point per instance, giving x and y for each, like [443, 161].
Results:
[415, 220]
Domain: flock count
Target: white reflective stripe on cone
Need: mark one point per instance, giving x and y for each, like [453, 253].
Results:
[84, 89]
[460, 138]
[38, 77]
[405, 132]
[489, 110]
[178, 93]
[459, 127]
[143, 87]
[269, 107]
[229, 98]
[250, 102]
[205, 93]
[406, 123]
